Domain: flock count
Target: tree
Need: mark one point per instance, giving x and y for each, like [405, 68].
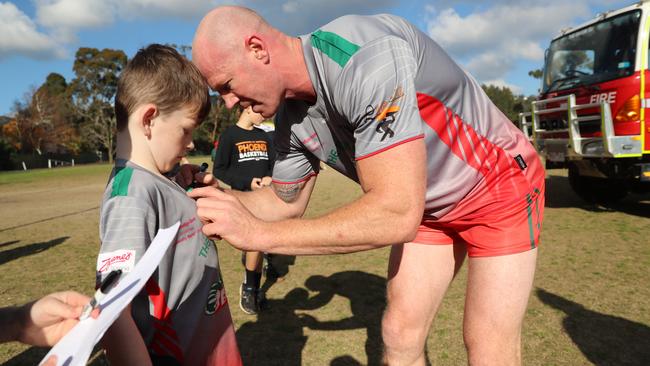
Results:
[43, 120]
[511, 105]
[52, 105]
[537, 73]
[93, 91]
[6, 147]
[181, 48]
[219, 118]
[503, 98]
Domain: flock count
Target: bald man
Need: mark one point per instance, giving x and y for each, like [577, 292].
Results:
[445, 174]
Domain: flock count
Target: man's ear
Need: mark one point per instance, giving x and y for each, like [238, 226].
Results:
[150, 112]
[257, 47]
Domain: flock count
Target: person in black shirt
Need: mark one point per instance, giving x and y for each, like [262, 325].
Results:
[244, 160]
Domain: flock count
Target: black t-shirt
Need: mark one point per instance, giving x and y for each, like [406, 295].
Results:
[243, 155]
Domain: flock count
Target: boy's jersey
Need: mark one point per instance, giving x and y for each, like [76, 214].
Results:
[182, 311]
[241, 156]
[380, 82]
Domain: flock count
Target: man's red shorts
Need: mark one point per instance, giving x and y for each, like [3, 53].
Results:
[492, 221]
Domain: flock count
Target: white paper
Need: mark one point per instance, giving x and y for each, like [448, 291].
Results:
[76, 346]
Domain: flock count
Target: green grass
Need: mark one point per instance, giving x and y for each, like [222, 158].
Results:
[57, 174]
[589, 303]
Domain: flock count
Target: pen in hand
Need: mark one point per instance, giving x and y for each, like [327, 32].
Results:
[101, 292]
[202, 169]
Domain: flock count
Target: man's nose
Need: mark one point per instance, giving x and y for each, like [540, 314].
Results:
[230, 100]
[190, 146]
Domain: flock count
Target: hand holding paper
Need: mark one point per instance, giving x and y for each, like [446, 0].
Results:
[75, 347]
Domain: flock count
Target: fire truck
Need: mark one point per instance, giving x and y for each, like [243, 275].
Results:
[593, 112]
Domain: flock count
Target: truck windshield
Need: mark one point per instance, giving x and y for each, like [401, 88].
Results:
[602, 51]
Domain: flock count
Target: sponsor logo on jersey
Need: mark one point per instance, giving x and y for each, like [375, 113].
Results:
[120, 259]
[333, 157]
[252, 150]
[385, 113]
[203, 252]
[216, 297]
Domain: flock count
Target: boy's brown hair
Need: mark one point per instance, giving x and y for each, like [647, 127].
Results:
[160, 75]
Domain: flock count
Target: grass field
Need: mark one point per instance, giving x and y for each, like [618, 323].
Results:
[589, 303]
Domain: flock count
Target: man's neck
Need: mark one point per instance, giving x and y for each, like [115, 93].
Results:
[299, 84]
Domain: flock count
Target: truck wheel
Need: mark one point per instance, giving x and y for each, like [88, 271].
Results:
[596, 190]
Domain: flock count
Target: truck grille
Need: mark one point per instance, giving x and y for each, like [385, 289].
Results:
[586, 127]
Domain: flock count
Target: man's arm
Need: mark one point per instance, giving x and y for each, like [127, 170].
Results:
[274, 203]
[389, 211]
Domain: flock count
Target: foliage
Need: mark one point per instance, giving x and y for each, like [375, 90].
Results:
[42, 120]
[78, 117]
[93, 91]
[537, 73]
[6, 151]
[214, 124]
[511, 105]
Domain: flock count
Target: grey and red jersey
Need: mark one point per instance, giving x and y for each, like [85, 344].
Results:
[182, 311]
[381, 82]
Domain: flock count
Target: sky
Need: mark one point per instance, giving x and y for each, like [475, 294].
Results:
[497, 41]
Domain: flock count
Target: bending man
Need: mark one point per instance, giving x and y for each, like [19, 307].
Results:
[444, 173]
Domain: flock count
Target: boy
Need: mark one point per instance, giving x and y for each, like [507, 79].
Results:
[181, 316]
[243, 160]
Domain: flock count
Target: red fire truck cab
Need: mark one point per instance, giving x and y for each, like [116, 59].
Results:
[592, 115]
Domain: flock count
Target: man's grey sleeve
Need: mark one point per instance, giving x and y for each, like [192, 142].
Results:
[293, 163]
[378, 96]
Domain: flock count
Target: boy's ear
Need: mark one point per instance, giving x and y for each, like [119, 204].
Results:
[147, 120]
[257, 47]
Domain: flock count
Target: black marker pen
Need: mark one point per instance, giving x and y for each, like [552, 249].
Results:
[202, 169]
[100, 293]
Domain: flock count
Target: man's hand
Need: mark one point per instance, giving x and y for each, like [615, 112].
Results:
[190, 173]
[223, 215]
[47, 320]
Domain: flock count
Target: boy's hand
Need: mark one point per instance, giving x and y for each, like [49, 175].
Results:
[190, 173]
[256, 183]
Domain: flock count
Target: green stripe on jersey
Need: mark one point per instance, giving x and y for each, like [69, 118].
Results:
[121, 181]
[334, 46]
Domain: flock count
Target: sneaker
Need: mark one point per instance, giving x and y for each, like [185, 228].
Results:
[248, 299]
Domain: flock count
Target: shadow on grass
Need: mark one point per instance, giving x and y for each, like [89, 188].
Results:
[278, 269]
[30, 356]
[34, 355]
[277, 337]
[8, 243]
[367, 295]
[560, 195]
[603, 339]
[11, 254]
[47, 219]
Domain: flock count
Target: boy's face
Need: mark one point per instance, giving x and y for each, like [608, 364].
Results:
[171, 138]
